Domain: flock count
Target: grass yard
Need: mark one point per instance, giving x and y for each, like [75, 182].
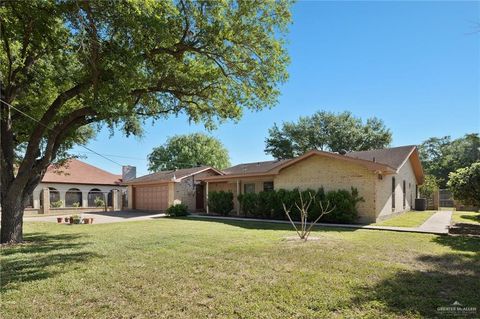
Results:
[408, 219]
[466, 217]
[185, 268]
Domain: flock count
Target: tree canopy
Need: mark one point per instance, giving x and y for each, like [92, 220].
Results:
[77, 65]
[185, 151]
[465, 184]
[440, 156]
[327, 131]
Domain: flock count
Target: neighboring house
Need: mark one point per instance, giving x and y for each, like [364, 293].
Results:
[387, 179]
[76, 184]
[158, 191]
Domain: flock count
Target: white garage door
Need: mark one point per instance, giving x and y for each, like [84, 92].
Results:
[153, 197]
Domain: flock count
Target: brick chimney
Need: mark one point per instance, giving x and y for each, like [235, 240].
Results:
[128, 173]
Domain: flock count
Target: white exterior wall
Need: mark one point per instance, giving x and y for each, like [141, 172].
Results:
[384, 192]
[63, 188]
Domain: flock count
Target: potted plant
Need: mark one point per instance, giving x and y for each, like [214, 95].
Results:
[91, 220]
[59, 220]
[67, 219]
[75, 219]
[86, 220]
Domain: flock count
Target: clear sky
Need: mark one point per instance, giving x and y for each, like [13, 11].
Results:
[415, 65]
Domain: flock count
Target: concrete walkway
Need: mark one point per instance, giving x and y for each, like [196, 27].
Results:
[438, 222]
[438, 226]
[102, 217]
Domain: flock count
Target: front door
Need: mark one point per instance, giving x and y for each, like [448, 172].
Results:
[199, 197]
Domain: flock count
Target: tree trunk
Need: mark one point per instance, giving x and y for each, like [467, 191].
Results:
[12, 219]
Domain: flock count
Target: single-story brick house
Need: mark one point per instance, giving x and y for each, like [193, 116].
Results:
[76, 184]
[158, 191]
[387, 179]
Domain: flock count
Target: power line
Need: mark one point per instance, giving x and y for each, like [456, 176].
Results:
[49, 128]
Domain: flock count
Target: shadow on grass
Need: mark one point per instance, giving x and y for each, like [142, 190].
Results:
[460, 243]
[261, 225]
[447, 279]
[32, 260]
[475, 218]
[438, 281]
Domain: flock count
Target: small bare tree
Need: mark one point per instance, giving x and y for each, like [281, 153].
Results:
[304, 231]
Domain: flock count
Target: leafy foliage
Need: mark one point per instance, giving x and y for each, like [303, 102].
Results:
[326, 131]
[56, 204]
[76, 66]
[440, 156]
[269, 204]
[429, 186]
[465, 184]
[99, 202]
[185, 151]
[220, 202]
[177, 210]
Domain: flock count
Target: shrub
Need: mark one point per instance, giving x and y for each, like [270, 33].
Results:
[248, 203]
[57, 204]
[99, 202]
[177, 210]
[345, 204]
[220, 202]
[76, 204]
[267, 204]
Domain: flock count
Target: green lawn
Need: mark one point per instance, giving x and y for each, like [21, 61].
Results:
[174, 268]
[408, 219]
[466, 217]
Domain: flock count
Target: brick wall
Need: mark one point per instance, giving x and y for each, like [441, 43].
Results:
[316, 171]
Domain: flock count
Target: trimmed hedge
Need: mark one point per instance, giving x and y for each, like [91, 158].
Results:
[269, 204]
[220, 202]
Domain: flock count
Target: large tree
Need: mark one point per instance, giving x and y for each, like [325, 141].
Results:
[440, 156]
[184, 151]
[70, 64]
[327, 131]
[465, 184]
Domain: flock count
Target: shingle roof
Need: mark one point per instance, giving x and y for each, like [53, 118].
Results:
[165, 176]
[78, 172]
[393, 157]
[254, 168]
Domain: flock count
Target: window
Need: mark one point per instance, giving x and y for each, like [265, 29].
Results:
[404, 194]
[249, 188]
[267, 186]
[73, 198]
[393, 193]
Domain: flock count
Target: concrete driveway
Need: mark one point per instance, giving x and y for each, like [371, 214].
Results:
[103, 217]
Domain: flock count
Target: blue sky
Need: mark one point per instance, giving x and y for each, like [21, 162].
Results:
[415, 65]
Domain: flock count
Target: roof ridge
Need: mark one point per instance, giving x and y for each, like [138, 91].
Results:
[84, 163]
[384, 149]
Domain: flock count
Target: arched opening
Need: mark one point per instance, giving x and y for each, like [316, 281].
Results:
[95, 198]
[54, 198]
[73, 198]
